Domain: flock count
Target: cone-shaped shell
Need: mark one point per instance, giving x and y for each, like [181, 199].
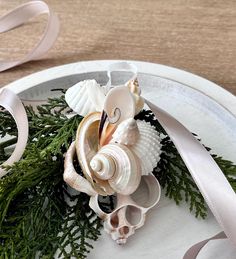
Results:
[127, 133]
[85, 97]
[133, 85]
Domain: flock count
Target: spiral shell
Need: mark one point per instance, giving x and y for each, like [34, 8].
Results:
[120, 166]
[119, 104]
[86, 97]
[111, 168]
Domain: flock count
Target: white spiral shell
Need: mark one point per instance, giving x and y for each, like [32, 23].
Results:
[119, 166]
[86, 97]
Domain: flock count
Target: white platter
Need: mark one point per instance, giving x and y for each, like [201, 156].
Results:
[202, 106]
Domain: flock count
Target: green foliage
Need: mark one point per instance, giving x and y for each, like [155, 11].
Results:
[41, 216]
[35, 215]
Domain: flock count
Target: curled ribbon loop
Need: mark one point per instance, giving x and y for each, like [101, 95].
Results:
[21, 15]
[121, 66]
[11, 102]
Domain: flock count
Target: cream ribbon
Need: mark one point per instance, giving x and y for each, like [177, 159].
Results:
[12, 103]
[21, 15]
[210, 180]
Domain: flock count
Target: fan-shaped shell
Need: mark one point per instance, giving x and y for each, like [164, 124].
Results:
[86, 97]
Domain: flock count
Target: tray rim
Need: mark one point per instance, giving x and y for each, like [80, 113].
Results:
[212, 90]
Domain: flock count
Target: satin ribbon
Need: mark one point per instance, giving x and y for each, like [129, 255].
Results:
[195, 249]
[210, 180]
[11, 102]
[21, 15]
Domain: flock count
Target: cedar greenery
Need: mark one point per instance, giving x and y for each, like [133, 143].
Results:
[41, 216]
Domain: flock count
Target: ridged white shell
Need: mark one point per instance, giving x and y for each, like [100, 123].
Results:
[147, 147]
[127, 133]
[85, 97]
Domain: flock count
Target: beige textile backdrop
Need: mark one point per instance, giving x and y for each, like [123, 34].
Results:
[195, 35]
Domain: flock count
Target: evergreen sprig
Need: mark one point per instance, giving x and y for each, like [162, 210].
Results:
[38, 215]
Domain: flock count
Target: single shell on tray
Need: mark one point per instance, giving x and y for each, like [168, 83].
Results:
[85, 97]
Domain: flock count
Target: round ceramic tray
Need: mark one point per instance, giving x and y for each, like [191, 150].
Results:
[202, 106]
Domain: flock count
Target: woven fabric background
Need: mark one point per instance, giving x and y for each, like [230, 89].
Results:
[195, 35]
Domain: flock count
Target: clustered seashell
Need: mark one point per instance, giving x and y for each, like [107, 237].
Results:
[116, 152]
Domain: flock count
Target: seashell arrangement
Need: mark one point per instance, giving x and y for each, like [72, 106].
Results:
[117, 154]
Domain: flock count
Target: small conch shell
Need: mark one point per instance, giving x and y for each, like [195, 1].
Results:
[135, 90]
[119, 166]
[86, 97]
[87, 145]
[127, 132]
